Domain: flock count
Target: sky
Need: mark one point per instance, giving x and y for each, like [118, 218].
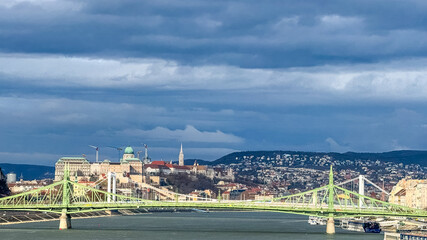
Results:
[217, 76]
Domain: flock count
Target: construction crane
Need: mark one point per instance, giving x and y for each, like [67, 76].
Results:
[119, 149]
[96, 149]
[138, 153]
[146, 158]
[146, 152]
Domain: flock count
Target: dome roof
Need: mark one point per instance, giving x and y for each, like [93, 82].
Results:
[128, 150]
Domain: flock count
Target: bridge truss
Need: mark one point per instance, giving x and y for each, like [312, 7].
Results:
[331, 201]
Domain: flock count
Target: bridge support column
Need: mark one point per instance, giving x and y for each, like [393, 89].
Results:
[109, 186]
[64, 221]
[361, 189]
[330, 225]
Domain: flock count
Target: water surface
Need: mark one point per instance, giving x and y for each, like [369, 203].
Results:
[179, 226]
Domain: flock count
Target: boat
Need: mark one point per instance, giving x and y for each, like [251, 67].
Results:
[313, 220]
[352, 225]
[371, 227]
[393, 223]
[199, 210]
[413, 234]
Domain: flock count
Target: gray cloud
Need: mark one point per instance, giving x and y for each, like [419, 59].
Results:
[243, 74]
[249, 34]
[188, 134]
[404, 79]
[336, 147]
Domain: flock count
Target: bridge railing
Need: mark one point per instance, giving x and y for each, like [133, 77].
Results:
[323, 201]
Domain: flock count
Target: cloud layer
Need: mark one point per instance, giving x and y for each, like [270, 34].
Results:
[218, 76]
[245, 34]
[404, 79]
[189, 134]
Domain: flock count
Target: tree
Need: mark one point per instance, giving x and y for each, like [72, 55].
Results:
[4, 190]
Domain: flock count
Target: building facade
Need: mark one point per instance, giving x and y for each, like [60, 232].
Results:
[129, 169]
[410, 193]
[77, 166]
[80, 168]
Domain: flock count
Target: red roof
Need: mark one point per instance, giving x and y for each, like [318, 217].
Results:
[181, 167]
[155, 166]
[85, 182]
[231, 185]
[177, 166]
[158, 163]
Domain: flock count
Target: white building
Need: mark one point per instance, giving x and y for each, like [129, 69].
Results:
[181, 157]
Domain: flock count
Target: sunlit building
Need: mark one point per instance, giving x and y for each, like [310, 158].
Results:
[411, 193]
[77, 166]
[129, 167]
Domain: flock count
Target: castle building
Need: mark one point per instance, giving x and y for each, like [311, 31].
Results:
[129, 167]
[78, 166]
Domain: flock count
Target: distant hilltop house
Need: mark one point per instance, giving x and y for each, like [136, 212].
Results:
[130, 168]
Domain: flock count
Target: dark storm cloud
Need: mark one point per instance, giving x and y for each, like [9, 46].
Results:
[240, 33]
[216, 75]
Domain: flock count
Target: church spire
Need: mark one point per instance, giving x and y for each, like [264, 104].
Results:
[181, 157]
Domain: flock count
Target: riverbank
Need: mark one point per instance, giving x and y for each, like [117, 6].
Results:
[17, 217]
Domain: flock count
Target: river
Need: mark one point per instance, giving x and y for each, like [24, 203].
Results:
[184, 225]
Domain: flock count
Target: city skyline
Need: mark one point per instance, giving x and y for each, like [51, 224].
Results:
[218, 77]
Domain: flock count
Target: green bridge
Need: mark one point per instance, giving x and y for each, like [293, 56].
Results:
[330, 201]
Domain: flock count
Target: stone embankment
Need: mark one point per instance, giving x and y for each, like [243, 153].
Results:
[15, 217]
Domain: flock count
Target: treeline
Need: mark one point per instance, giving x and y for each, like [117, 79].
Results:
[404, 156]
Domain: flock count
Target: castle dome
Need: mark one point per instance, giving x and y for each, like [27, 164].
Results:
[129, 150]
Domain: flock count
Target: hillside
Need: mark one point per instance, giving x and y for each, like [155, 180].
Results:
[29, 172]
[405, 157]
[191, 162]
[199, 161]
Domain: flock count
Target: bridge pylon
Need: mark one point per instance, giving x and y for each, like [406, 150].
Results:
[330, 225]
[65, 218]
[330, 201]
